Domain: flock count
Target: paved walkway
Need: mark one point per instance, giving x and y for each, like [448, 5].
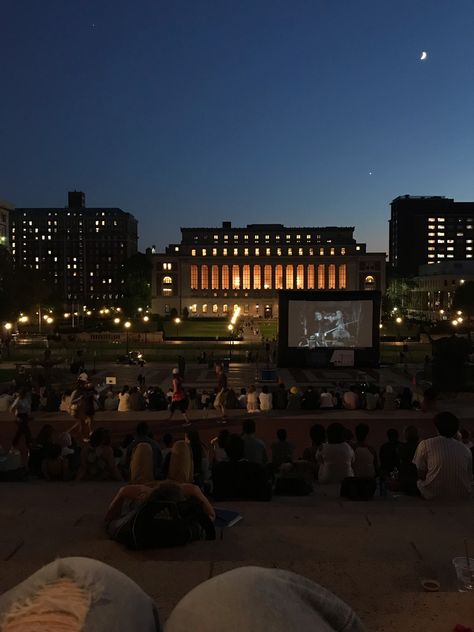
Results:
[374, 554]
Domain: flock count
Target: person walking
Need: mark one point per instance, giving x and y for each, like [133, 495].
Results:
[221, 396]
[21, 408]
[179, 400]
[79, 408]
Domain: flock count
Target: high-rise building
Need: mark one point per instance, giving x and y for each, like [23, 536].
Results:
[427, 230]
[5, 210]
[214, 270]
[80, 251]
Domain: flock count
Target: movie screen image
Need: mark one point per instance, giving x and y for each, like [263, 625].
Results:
[313, 324]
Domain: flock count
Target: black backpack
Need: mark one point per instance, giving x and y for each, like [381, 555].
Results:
[157, 524]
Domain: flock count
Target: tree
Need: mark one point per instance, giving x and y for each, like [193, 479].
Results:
[464, 299]
[137, 283]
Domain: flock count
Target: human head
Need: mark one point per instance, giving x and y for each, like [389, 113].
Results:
[45, 434]
[167, 491]
[143, 429]
[335, 433]
[134, 389]
[235, 447]
[192, 436]
[411, 434]
[125, 389]
[294, 390]
[243, 391]
[317, 434]
[168, 439]
[248, 427]
[447, 424]
[282, 434]
[361, 431]
[392, 435]
[264, 388]
[251, 388]
[175, 371]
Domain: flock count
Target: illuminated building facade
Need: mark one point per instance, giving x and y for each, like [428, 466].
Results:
[214, 270]
[428, 230]
[5, 210]
[80, 250]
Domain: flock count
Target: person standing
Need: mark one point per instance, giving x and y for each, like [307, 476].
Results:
[221, 396]
[79, 407]
[21, 408]
[179, 400]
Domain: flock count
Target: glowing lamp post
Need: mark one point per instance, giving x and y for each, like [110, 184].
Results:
[177, 322]
[127, 324]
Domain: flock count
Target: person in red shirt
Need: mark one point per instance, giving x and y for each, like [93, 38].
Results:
[179, 401]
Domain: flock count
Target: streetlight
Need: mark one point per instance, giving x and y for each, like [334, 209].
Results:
[177, 322]
[127, 324]
[455, 322]
[8, 326]
[146, 319]
[117, 321]
[398, 320]
[230, 327]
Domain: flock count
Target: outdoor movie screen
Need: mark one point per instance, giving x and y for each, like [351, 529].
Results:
[315, 324]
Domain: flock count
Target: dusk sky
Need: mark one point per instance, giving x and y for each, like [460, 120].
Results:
[190, 113]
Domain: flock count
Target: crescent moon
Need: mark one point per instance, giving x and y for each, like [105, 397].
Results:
[424, 55]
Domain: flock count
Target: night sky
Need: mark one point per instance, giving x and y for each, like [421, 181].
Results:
[189, 113]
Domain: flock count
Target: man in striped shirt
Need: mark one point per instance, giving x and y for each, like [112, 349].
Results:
[444, 464]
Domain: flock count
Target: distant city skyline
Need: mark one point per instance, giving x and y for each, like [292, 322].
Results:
[195, 112]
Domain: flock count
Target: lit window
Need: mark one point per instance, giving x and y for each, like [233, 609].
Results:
[459, 234]
[278, 277]
[256, 237]
[440, 256]
[298, 237]
[308, 237]
[343, 251]
[214, 309]
[321, 276]
[357, 247]
[236, 238]
[321, 251]
[204, 277]
[468, 241]
[224, 252]
[369, 283]
[246, 277]
[236, 252]
[290, 251]
[267, 277]
[440, 234]
[432, 241]
[225, 308]
[469, 226]
[310, 276]
[167, 279]
[440, 241]
[194, 277]
[467, 248]
[226, 237]
[432, 248]
[342, 276]
[246, 252]
[246, 237]
[300, 251]
[432, 219]
[257, 252]
[431, 226]
[448, 248]
[278, 237]
[193, 253]
[332, 251]
[214, 252]
[289, 277]
[430, 256]
[204, 308]
[235, 278]
[300, 277]
[257, 278]
[440, 219]
[267, 252]
[204, 252]
[193, 308]
[332, 277]
[225, 277]
[216, 237]
[215, 277]
[267, 237]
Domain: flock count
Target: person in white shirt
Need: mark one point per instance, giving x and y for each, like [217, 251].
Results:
[336, 457]
[325, 399]
[252, 400]
[124, 400]
[243, 398]
[265, 399]
[444, 464]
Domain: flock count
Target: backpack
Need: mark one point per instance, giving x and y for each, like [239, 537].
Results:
[157, 524]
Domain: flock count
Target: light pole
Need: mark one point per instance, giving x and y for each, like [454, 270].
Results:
[127, 324]
[231, 333]
[8, 328]
[177, 322]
